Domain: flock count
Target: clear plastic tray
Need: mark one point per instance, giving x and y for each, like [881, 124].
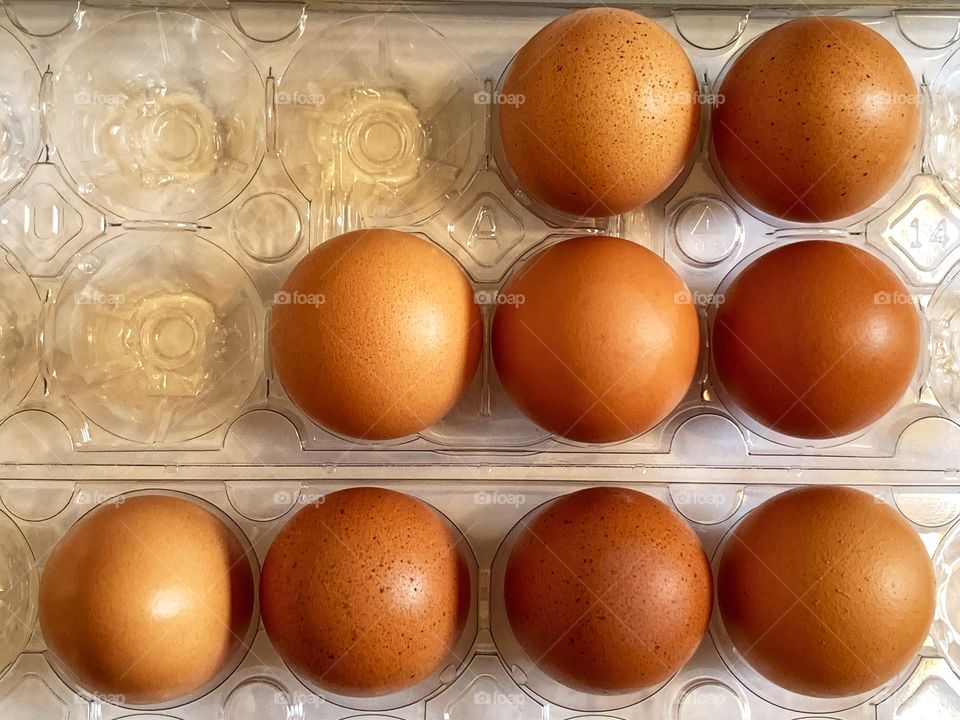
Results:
[247, 157]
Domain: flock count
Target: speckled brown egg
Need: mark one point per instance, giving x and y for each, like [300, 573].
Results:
[599, 112]
[826, 591]
[146, 600]
[818, 120]
[376, 334]
[816, 339]
[602, 341]
[608, 590]
[366, 593]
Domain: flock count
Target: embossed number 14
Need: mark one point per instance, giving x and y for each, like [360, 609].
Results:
[938, 236]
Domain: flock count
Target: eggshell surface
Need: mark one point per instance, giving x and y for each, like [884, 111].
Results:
[365, 593]
[376, 334]
[608, 590]
[816, 120]
[816, 339]
[600, 112]
[604, 343]
[146, 601]
[826, 591]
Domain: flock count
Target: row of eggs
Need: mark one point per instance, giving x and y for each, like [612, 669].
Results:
[149, 600]
[377, 334]
[597, 115]
[814, 122]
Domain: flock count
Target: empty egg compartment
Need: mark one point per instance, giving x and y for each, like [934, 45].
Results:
[155, 337]
[156, 133]
[485, 675]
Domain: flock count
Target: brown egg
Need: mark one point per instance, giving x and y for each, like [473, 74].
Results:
[816, 339]
[826, 591]
[376, 334]
[818, 120]
[600, 112]
[365, 593]
[147, 600]
[608, 590]
[604, 343]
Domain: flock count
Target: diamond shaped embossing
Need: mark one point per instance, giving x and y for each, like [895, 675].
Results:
[934, 698]
[30, 698]
[921, 231]
[926, 232]
[486, 699]
[487, 229]
[43, 220]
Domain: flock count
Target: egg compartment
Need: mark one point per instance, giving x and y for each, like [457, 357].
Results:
[85, 503]
[486, 683]
[896, 36]
[157, 133]
[897, 418]
[617, 225]
[389, 129]
[290, 499]
[19, 333]
[55, 217]
[156, 337]
[770, 691]
[19, 111]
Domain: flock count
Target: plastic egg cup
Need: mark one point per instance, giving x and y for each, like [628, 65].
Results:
[445, 674]
[544, 211]
[912, 169]
[242, 648]
[754, 426]
[19, 328]
[157, 337]
[767, 689]
[523, 668]
[19, 111]
[19, 582]
[944, 119]
[157, 132]
[379, 119]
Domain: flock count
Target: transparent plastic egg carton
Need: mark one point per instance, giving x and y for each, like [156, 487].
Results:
[152, 209]
[163, 170]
